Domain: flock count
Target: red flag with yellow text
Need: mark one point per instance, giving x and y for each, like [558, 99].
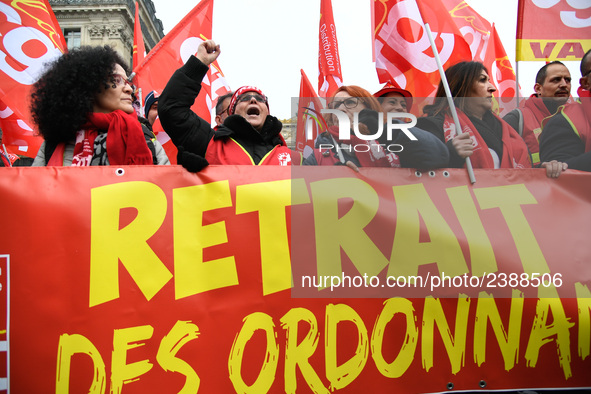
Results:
[402, 49]
[170, 54]
[30, 38]
[138, 39]
[330, 77]
[553, 30]
[163, 281]
[310, 121]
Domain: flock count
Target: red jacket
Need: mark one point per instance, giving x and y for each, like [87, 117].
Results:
[534, 112]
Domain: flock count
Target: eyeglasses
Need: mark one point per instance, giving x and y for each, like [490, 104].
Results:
[247, 97]
[349, 103]
[119, 80]
[225, 110]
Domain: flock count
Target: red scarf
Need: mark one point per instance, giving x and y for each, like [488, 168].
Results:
[515, 154]
[126, 144]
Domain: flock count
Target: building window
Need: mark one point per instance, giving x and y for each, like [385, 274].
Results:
[72, 37]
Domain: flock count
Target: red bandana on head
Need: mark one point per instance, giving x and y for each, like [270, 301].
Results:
[240, 92]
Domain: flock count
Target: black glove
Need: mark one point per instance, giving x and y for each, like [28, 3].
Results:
[191, 161]
[371, 119]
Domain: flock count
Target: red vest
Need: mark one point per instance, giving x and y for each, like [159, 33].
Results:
[534, 112]
[228, 151]
[579, 117]
[515, 154]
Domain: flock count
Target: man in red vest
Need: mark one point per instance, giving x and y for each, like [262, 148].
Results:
[567, 136]
[552, 89]
[249, 135]
[585, 86]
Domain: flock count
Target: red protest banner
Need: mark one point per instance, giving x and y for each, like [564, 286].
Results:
[553, 30]
[152, 279]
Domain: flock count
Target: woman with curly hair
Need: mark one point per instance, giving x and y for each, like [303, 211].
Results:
[397, 150]
[82, 105]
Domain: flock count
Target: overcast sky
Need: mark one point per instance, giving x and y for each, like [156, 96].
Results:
[266, 42]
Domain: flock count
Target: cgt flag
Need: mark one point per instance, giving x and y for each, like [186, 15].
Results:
[170, 54]
[330, 77]
[402, 49]
[553, 30]
[138, 40]
[487, 48]
[310, 121]
[30, 38]
[502, 74]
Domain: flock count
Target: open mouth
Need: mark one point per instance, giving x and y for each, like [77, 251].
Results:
[253, 111]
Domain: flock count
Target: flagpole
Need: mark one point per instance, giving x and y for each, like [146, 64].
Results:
[450, 100]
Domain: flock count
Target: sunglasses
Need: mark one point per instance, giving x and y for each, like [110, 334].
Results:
[247, 97]
[349, 103]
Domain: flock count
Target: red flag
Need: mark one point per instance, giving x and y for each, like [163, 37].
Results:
[329, 63]
[30, 38]
[138, 40]
[171, 53]
[553, 30]
[502, 74]
[402, 48]
[310, 122]
[486, 47]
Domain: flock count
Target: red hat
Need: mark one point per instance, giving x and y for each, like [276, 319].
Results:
[392, 87]
[239, 93]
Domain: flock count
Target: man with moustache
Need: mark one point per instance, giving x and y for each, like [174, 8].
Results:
[552, 89]
[567, 136]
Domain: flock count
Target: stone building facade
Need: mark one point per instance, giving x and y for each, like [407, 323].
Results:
[107, 22]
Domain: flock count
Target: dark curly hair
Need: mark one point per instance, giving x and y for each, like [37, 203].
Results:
[65, 93]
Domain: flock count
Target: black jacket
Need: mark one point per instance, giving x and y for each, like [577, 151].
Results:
[191, 134]
[559, 142]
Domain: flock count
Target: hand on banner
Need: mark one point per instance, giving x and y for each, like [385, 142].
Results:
[554, 168]
[352, 166]
[463, 145]
[208, 52]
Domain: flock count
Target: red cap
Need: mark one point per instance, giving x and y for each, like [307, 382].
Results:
[390, 87]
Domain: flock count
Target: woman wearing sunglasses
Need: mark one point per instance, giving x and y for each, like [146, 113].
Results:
[83, 107]
[398, 151]
[249, 135]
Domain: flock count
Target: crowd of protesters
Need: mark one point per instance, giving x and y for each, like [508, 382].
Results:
[85, 108]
